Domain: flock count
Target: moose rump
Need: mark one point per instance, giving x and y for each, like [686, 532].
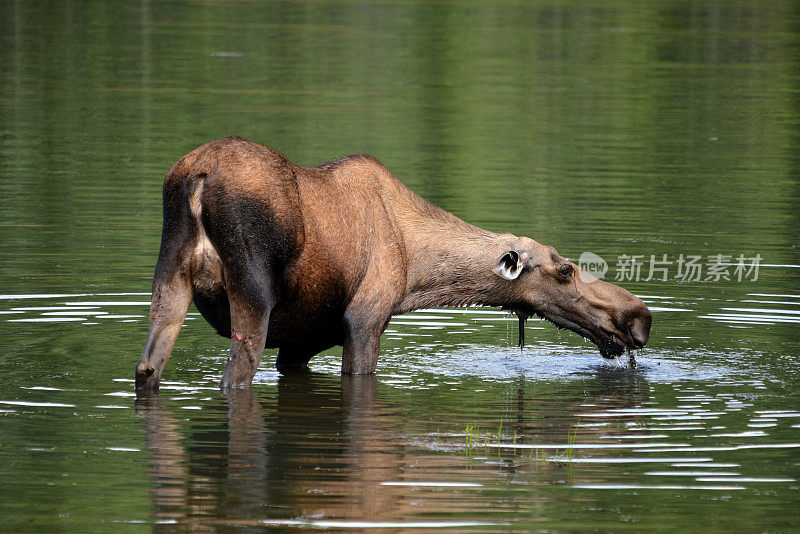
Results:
[261, 268]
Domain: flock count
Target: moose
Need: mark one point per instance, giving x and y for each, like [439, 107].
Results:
[301, 259]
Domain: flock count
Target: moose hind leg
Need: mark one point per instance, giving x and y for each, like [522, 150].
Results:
[251, 297]
[170, 301]
[249, 324]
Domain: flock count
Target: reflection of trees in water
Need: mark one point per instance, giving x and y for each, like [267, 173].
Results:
[622, 98]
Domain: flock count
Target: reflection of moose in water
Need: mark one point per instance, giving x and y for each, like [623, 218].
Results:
[322, 446]
[544, 412]
[317, 451]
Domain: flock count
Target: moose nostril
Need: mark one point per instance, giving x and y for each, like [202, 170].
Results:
[639, 338]
[640, 329]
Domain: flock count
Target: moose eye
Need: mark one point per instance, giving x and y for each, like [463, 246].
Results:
[565, 271]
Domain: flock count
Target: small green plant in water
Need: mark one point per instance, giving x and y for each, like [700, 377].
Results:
[571, 436]
[470, 439]
[537, 456]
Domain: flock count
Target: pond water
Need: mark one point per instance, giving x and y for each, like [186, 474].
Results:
[664, 135]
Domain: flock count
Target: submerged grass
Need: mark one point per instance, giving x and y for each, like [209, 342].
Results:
[475, 441]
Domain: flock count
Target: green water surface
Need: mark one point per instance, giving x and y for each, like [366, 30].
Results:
[657, 131]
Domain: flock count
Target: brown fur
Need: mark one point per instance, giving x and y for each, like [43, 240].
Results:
[302, 259]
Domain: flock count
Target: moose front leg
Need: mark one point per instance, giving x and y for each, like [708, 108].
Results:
[361, 345]
[292, 359]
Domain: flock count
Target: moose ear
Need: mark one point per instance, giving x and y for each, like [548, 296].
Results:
[509, 266]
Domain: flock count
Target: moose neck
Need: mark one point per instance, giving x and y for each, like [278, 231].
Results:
[450, 264]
